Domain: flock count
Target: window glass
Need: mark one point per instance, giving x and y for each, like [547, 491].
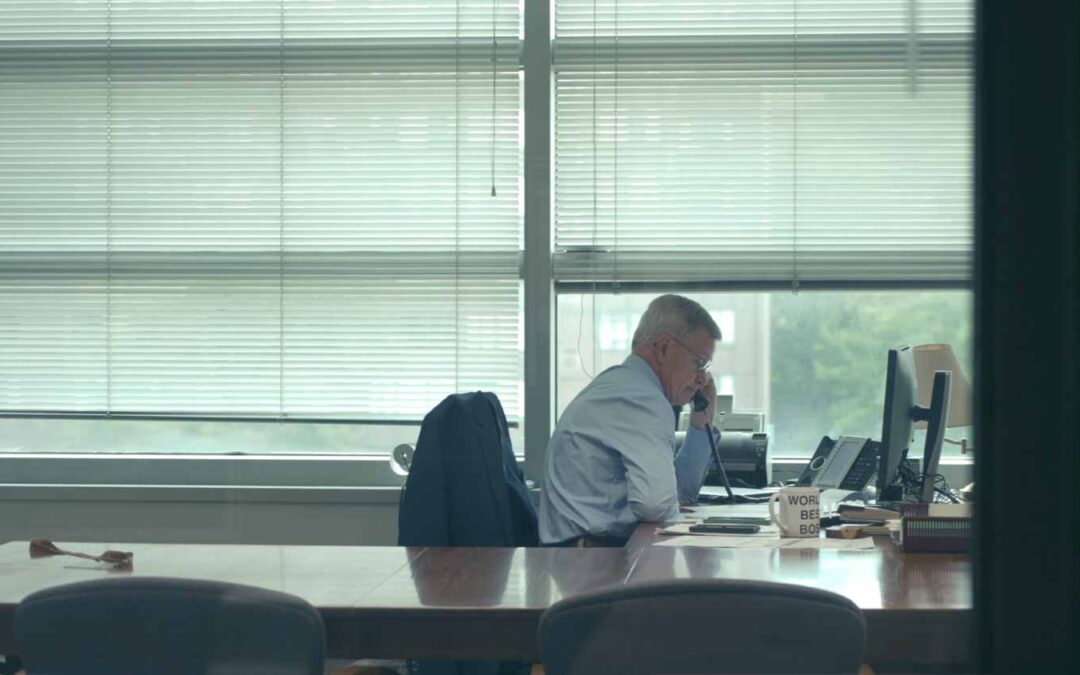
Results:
[813, 362]
[256, 208]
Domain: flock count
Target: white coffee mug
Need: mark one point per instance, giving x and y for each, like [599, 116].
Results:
[796, 511]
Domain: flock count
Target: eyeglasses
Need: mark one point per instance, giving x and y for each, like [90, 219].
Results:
[702, 362]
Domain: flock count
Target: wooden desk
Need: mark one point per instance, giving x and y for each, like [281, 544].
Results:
[485, 603]
[917, 605]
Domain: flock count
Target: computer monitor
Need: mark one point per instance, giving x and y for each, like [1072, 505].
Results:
[898, 419]
[935, 416]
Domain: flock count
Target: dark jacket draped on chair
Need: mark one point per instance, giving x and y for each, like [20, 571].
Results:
[464, 486]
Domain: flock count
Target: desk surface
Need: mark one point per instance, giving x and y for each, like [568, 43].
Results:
[486, 602]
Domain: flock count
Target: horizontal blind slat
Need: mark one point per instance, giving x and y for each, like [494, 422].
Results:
[819, 139]
[216, 207]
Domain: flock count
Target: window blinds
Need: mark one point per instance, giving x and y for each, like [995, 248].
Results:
[271, 207]
[763, 142]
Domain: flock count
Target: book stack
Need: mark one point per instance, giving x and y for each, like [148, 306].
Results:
[859, 520]
[936, 528]
[859, 513]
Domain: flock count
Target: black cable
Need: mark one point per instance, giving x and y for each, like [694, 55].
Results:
[941, 487]
[912, 482]
[719, 462]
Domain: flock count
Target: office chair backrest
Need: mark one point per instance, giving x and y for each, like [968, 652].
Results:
[703, 626]
[167, 627]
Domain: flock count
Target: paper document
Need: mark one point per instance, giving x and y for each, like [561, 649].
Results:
[684, 528]
[721, 491]
[722, 510]
[949, 510]
[769, 542]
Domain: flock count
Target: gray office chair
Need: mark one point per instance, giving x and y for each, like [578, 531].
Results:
[703, 626]
[147, 625]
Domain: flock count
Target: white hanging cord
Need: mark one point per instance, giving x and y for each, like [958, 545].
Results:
[913, 46]
[281, 208]
[595, 186]
[795, 149]
[108, 206]
[615, 179]
[457, 192]
[593, 252]
[494, 53]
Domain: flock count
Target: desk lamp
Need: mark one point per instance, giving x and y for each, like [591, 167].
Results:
[929, 358]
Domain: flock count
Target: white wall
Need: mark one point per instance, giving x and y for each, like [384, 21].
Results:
[184, 515]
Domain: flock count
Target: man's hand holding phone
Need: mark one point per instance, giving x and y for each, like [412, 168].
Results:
[699, 418]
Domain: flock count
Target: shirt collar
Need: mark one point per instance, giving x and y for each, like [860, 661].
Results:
[640, 365]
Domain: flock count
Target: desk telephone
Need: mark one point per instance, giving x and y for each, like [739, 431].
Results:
[848, 463]
[700, 404]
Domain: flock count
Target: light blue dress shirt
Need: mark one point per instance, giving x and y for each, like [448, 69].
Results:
[611, 462]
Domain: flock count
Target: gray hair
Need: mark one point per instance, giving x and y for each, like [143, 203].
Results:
[673, 314]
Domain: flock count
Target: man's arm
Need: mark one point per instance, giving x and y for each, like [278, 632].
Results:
[692, 462]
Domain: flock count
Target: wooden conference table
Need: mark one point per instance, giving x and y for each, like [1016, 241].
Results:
[392, 602]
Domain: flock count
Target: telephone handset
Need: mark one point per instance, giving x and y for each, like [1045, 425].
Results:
[848, 463]
[700, 403]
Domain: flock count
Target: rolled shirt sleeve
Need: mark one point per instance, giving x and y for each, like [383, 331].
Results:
[692, 462]
[646, 443]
